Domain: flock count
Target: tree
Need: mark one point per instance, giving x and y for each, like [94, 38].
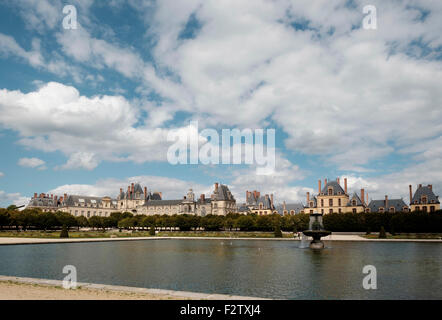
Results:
[64, 232]
[81, 222]
[152, 231]
[4, 218]
[244, 222]
[277, 232]
[382, 234]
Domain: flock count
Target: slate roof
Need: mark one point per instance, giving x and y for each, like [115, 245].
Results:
[266, 202]
[223, 194]
[354, 197]
[243, 209]
[398, 205]
[297, 207]
[42, 202]
[335, 186]
[424, 191]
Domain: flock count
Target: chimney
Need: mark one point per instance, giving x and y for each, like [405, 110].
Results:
[121, 190]
[216, 186]
[283, 205]
[65, 197]
[430, 186]
[411, 192]
[308, 198]
[247, 195]
[254, 194]
[145, 192]
[132, 186]
[258, 193]
[386, 203]
[345, 185]
[55, 199]
[203, 197]
[42, 195]
[128, 192]
[35, 195]
[319, 186]
[61, 199]
[161, 195]
[420, 185]
[366, 199]
[337, 179]
[271, 199]
[52, 196]
[362, 196]
[325, 182]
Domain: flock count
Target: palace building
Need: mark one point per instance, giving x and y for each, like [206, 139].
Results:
[332, 198]
[424, 199]
[138, 200]
[255, 203]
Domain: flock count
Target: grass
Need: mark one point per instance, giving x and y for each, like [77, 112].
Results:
[123, 234]
[437, 236]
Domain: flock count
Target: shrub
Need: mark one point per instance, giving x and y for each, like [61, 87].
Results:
[64, 232]
[152, 231]
[278, 233]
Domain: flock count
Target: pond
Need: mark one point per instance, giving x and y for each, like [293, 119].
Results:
[259, 268]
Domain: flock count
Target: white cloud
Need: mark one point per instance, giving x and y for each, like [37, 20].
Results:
[6, 199]
[31, 162]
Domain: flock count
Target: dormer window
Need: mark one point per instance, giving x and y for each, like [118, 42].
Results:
[424, 199]
[381, 209]
[330, 191]
[311, 203]
[353, 202]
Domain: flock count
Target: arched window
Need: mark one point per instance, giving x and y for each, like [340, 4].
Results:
[353, 202]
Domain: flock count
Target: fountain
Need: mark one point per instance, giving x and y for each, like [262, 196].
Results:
[316, 231]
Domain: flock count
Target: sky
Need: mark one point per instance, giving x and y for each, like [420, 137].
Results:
[88, 110]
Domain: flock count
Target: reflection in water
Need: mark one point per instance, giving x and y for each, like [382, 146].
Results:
[274, 269]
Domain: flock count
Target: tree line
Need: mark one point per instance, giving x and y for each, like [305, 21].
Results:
[35, 219]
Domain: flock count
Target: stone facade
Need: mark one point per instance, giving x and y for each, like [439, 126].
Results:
[138, 200]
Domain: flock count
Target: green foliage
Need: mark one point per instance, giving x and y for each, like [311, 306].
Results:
[278, 233]
[152, 231]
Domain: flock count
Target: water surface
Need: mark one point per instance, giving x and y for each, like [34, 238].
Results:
[261, 268]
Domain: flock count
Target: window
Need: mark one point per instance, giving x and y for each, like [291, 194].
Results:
[424, 209]
[322, 202]
[417, 208]
[330, 211]
[322, 211]
[339, 202]
[311, 211]
[353, 202]
[311, 203]
[292, 212]
[330, 191]
[340, 210]
[381, 209]
[424, 199]
[354, 210]
[432, 208]
[367, 210]
[330, 202]
[392, 210]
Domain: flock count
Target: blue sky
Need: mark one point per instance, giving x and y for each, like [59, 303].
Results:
[88, 110]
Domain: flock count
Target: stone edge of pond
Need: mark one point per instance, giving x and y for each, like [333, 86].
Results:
[353, 238]
[138, 290]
